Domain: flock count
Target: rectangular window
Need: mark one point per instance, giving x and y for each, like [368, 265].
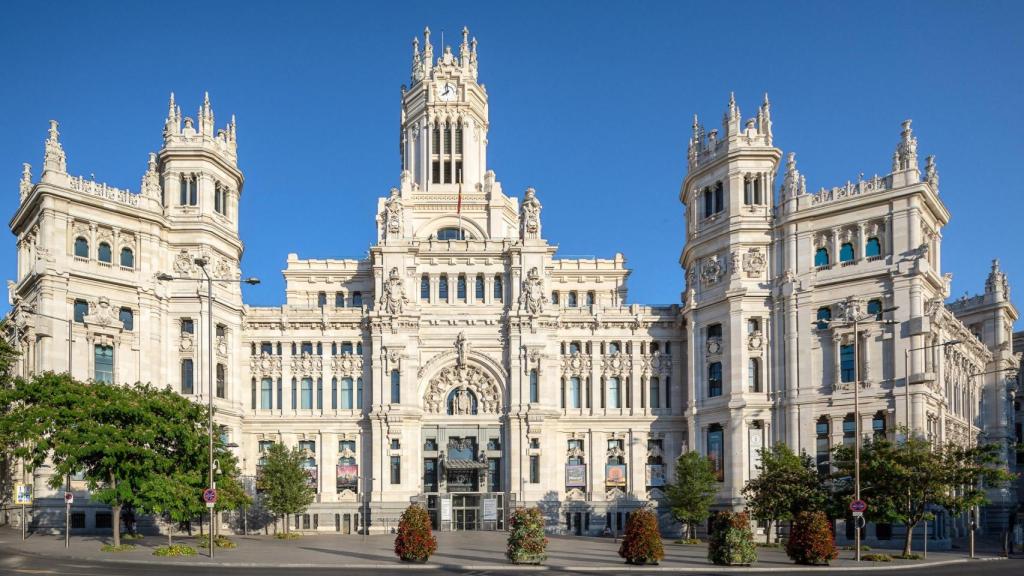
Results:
[614, 388]
[252, 395]
[295, 394]
[425, 288]
[715, 379]
[435, 172]
[655, 394]
[81, 310]
[442, 288]
[460, 290]
[346, 347]
[187, 376]
[499, 289]
[319, 393]
[396, 469]
[307, 393]
[574, 392]
[222, 375]
[321, 299]
[430, 474]
[127, 318]
[346, 393]
[307, 348]
[479, 289]
[846, 368]
[494, 474]
[534, 469]
[267, 393]
[359, 393]
[534, 387]
[339, 299]
[280, 394]
[188, 326]
[716, 450]
[396, 387]
[104, 362]
[334, 393]
[77, 520]
[267, 348]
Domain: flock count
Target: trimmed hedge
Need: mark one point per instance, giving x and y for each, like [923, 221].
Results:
[175, 550]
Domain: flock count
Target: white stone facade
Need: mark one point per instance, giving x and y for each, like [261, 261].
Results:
[463, 361]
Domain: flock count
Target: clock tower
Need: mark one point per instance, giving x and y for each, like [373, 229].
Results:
[444, 119]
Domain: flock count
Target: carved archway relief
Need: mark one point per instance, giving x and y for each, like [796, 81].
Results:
[488, 394]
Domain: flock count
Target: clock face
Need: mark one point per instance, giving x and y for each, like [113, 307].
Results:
[447, 92]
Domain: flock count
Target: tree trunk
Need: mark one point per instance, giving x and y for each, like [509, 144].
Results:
[768, 532]
[116, 510]
[908, 539]
[170, 534]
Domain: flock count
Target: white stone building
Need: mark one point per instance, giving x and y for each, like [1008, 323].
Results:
[463, 364]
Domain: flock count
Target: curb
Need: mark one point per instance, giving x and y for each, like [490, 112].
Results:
[523, 567]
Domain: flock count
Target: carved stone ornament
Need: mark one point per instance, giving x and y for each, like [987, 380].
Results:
[222, 346]
[393, 300]
[615, 452]
[101, 313]
[656, 364]
[307, 365]
[714, 346]
[529, 216]
[614, 494]
[265, 365]
[575, 494]
[183, 263]
[574, 452]
[532, 298]
[754, 263]
[655, 452]
[466, 378]
[187, 343]
[711, 270]
[347, 365]
[755, 341]
[393, 208]
[616, 365]
[576, 364]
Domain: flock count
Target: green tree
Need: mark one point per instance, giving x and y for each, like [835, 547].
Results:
[285, 485]
[786, 484]
[8, 356]
[691, 494]
[900, 480]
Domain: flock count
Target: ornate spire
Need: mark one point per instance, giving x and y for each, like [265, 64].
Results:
[764, 119]
[428, 50]
[464, 48]
[997, 284]
[172, 125]
[793, 184]
[151, 179]
[54, 159]
[906, 150]
[25, 186]
[205, 116]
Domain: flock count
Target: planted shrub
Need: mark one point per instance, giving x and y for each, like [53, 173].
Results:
[876, 558]
[224, 542]
[119, 548]
[641, 543]
[811, 540]
[415, 541]
[526, 541]
[175, 550]
[731, 543]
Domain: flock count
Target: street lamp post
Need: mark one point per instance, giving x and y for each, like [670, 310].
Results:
[202, 262]
[906, 378]
[852, 316]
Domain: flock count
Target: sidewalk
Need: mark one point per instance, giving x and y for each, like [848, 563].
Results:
[463, 550]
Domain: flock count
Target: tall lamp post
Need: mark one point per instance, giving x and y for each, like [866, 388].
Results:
[252, 281]
[906, 376]
[853, 315]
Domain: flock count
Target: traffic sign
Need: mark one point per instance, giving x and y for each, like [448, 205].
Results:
[210, 496]
[69, 498]
[858, 506]
[23, 494]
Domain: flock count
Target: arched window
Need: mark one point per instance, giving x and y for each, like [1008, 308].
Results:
[451, 234]
[306, 395]
[499, 289]
[754, 375]
[81, 247]
[709, 203]
[103, 253]
[614, 393]
[821, 257]
[321, 299]
[267, 393]
[846, 252]
[590, 298]
[554, 298]
[81, 310]
[461, 402]
[748, 190]
[575, 392]
[714, 379]
[875, 307]
[873, 247]
[442, 288]
[187, 375]
[846, 363]
[571, 300]
[478, 291]
[460, 288]
[534, 387]
[425, 288]
[127, 258]
[396, 387]
[346, 394]
[878, 425]
[824, 315]
[127, 318]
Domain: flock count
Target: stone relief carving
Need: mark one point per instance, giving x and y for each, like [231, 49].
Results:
[532, 298]
[755, 341]
[466, 378]
[307, 365]
[617, 364]
[712, 269]
[576, 364]
[529, 216]
[183, 263]
[265, 365]
[151, 179]
[714, 345]
[101, 313]
[392, 215]
[754, 263]
[347, 365]
[393, 300]
[656, 364]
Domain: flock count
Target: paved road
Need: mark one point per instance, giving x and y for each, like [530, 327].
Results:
[15, 564]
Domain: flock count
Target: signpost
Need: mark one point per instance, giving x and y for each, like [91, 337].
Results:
[210, 497]
[69, 499]
[23, 498]
[858, 507]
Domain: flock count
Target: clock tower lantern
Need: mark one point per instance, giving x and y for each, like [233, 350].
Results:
[444, 119]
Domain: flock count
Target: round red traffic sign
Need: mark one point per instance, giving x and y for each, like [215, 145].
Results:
[69, 498]
[858, 506]
[210, 495]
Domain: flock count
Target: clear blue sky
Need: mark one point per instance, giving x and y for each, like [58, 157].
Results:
[591, 104]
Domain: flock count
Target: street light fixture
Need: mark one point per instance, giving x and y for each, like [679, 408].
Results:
[853, 316]
[252, 281]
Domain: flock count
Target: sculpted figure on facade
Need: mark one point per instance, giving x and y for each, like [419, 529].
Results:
[532, 298]
[392, 216]
[151, 179]
[468, 379]
[103, 314]
[54, 159]
[393, 299]
[25, 186]
[529, 216]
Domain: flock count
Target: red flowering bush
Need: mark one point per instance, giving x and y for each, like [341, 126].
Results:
[641, 544]
[526, 541]
[811, 540]
[415, 541]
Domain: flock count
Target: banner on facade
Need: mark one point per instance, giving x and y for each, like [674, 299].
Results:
[312, 477]
[446, 510]
[347, 476]
[575, 475]
[615, 474]
[490, 508]
[656, 475]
